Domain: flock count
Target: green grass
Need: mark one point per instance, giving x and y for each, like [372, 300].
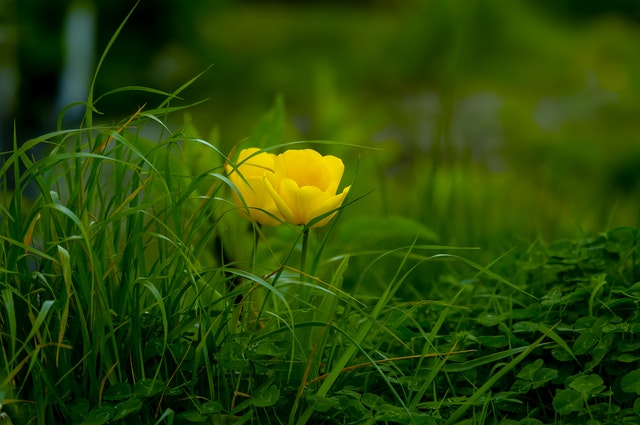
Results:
[133, 291]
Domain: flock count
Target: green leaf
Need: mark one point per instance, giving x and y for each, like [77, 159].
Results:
[388, 412]
[530, 421]
[587, 385]
[621, 239]
[266, 395]
[543, 376]
[532, 260]
[487, 319]
[269, 349]
[148, 387]
[320, 404]
[552, 298]
[561, 355]
[605, 409]
[528, 372]
[495, 341]
[567, 401]
[194, 416]
[628, 346]
[126, 408]
[584, 342]
[627, 358]
[521, 386]
[600, 351]
[562, 248]
[526, 327]
[630, 382]
[99, 416]
[79, 408]
[117, 392]
[232, 355]
[210, 408]
[370, 400]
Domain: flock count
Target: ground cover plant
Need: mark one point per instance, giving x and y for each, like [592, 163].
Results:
[142, 282]
[133, 289]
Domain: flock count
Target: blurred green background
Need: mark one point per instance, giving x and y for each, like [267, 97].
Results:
[492, 121]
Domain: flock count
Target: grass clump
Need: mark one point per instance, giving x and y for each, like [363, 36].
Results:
[134, 291]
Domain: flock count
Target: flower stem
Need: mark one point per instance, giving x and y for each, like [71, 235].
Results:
[305, 294]
[303, 254]
[305, 291]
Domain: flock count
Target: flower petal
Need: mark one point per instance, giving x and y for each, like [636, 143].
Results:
[310, 198]
[257, 202]
[301, 200]
[331, 204]
[248, 179]
[336, 168]
[283, 208]
[306, 166]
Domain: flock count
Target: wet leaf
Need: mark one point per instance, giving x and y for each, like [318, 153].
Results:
[487, 319]
[126, 408]
[543, 376]
[148, 387]
[118, 392]
[584, 342]
[567, 401]
[194, 416]
[587, 385]
[528, 372]
[561, 355]
[98, 416]
[527, 327]
[210, 408]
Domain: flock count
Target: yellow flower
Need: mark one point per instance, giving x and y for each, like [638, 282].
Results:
[248, 177]
[304, 185]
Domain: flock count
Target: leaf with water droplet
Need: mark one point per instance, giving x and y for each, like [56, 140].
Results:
[127, 407]
[587, 385]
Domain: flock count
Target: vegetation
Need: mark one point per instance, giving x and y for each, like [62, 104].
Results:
[140, 284]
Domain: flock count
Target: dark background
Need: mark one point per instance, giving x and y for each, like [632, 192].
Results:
[493, 117]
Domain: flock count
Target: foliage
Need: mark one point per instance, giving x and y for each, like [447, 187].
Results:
[133, 290]
[128, 293]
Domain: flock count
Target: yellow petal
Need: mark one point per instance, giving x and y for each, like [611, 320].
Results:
[296, 203]
[331, 204]
[256, 201]
[253, 162]
[303, 185]
[336, 168]
[282, 206]
[309, 199]
[305, 166]
[248, 179]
